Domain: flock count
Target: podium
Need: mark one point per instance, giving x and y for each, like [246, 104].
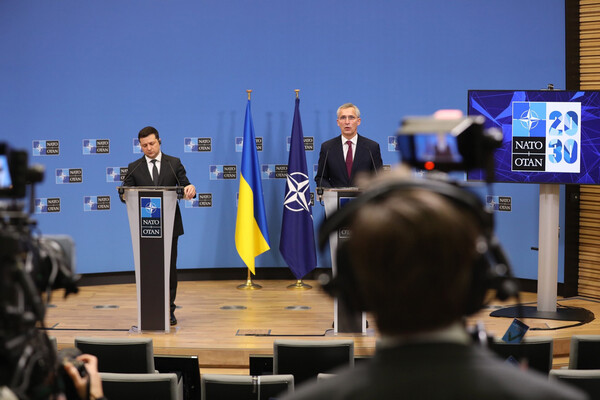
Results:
[344, 319]
[151, 212]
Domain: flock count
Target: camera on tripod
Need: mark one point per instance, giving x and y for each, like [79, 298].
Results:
[30, 264]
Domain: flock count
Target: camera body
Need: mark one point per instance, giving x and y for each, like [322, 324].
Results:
[446, 144]
[31, 265]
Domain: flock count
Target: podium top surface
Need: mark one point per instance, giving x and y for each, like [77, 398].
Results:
[150, 188]
[342, 189]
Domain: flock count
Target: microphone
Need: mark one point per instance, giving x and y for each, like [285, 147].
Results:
[372, 159]
[120, 188]
[174, 174]
[320, 187]
[180, 189]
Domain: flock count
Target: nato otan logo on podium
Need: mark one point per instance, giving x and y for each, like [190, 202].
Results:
[546, 136]
[151, 217]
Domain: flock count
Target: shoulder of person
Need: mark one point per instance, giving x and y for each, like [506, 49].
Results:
[366, 140]
[136, 162]
[171, 158]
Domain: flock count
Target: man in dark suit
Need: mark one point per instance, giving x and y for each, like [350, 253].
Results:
[343, 157]
[158, 169]
[417, 263]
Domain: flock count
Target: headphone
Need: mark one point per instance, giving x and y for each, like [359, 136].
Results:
[491, 270]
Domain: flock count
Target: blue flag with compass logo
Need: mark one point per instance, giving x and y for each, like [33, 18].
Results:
[297, 243]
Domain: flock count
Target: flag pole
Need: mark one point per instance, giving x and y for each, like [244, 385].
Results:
[249, 285]
[299, 285]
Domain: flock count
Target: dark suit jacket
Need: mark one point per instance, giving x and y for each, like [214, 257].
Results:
[172, 173]
[436, 371]
[332, 165]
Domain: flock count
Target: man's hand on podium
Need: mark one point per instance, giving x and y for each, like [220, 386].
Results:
[189, 192]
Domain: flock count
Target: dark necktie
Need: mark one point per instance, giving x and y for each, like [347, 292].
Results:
[349, 158]
[154, 173]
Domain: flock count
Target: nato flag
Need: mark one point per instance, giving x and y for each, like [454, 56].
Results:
[297, 243]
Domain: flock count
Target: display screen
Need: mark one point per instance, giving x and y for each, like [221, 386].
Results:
[549, 136]
[5, 181]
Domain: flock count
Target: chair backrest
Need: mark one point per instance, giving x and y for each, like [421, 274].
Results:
[245, 387]
[535, 351]
[53, 342]
[587, 380]
[141, 386]
[584, 352]
[131, 355]
[184, 366]
[305, 359]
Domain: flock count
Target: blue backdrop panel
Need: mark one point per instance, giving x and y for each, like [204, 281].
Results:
[73, 71]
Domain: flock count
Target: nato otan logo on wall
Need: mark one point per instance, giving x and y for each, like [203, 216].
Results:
[309, 143]
[96, 203]
[239, 144]
[151, 217]
[69, 175]
[47, 205]
[96, 146]
[393, 143]
[116, 174]
[197, 144]
[273, 171]
[499, 203]
[546, 136]
[202, 200]
[137, 149]
[220, 172]
[45, 147]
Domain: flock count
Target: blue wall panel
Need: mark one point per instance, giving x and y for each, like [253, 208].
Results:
[74, 70]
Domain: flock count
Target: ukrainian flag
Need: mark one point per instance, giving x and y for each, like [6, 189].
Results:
[251, 233]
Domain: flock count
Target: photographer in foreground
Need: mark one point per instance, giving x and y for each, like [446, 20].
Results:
[418, 259]
[90, 386]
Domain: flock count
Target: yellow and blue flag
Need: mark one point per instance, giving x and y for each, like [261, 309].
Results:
[251, 233]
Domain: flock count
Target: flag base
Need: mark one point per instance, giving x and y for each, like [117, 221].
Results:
[299, 285]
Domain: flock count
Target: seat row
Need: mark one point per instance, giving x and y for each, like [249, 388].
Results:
[130, 370]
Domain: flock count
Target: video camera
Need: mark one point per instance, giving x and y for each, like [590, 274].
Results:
[448, 141]
[30, 264]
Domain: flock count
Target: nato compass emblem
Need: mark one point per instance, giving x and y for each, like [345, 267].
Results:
[529, 119]
[151, 209]
[295, 198]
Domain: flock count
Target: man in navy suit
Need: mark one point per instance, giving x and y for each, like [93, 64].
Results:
[338, 166]
[169, 172]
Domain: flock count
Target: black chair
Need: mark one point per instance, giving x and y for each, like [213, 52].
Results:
[119, 355]
[245, 387]
[305, 359]
[587, 380]
[536, 352]
[118, 386]
[186, 368]
[584, 352]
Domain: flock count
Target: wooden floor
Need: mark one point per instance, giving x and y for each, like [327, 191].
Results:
[223, 337]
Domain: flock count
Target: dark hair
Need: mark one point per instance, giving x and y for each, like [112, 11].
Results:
[147, 131]
[413, 253]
